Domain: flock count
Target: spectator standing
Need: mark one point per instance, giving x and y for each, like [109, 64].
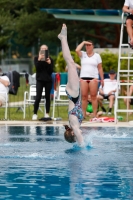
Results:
[108, 91]
[91, 67]
[44, 69]
[128, 8]
[4, 83]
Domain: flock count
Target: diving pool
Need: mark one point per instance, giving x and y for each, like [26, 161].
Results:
[36, 163]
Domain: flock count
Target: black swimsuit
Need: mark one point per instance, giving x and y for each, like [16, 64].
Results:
[77, 110]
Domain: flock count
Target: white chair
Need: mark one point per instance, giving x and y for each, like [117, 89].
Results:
[29, 98]
[61, 98]
[32, 79]
[6, 103]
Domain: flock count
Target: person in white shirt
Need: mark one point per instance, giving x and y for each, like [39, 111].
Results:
[108, 91]
[4, 83]
[128, 8]
[91, 68]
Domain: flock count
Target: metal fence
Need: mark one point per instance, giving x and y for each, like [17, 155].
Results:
[20, 65]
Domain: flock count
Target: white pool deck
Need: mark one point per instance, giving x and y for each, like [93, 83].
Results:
[61, 123]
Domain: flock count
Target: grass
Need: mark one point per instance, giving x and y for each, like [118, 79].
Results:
[61, 111]
[15, 113]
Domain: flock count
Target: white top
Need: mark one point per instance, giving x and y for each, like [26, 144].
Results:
[109, 85]
[3, 88]
[129, 3]
[89, 65]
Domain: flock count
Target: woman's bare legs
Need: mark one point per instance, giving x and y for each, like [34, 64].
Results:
[91, 87]
[72, 85]
[84, 95]
[129, 24]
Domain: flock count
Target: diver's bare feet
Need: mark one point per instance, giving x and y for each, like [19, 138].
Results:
[63, 32]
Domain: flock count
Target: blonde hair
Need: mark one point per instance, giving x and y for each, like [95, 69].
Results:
[44, 45]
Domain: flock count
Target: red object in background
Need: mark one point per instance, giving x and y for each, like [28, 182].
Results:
[57, 81]
[103, 119]
[57, 77]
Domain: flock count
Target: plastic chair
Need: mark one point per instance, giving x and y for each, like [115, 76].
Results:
[6, 103]
[29, 98]
[60, 98]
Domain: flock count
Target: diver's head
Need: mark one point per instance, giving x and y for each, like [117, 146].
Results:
[69, 134]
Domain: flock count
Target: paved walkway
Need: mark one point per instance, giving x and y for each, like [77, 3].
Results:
[16, 104]
[61, 123]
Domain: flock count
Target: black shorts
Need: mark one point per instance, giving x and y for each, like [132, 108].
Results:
[106, 96]
[129, 17]
[87, 79]
[131, 102]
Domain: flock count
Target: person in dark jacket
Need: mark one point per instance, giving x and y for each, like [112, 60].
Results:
[44, 69]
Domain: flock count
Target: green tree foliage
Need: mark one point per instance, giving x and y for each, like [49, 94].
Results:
[124, 63]
[33, 27]
[7, 23]
[6, 31]
[109, 61]
[47, 27]
[61, 64]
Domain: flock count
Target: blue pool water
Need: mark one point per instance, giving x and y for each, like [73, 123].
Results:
[36, 163]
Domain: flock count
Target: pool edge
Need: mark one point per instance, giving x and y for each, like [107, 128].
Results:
[60, 123]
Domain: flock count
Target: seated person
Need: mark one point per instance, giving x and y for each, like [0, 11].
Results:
[108, 91]
[129, 102]
[4, 83]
